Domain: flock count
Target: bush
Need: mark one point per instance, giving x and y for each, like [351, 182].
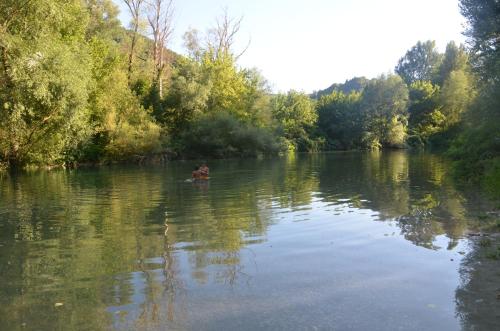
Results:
[477, 153]
[491, 179]
[221, 135]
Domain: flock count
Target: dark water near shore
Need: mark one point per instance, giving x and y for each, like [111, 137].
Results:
[347, 241]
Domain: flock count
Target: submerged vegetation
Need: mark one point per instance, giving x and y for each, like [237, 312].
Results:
[77, 87]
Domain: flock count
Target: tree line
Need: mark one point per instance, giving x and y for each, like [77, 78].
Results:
[77, 87]
[422, 104]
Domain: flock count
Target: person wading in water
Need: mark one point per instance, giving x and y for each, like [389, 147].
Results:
[204, 171]
[201, 172]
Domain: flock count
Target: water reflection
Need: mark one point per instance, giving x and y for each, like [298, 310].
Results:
[141, 248]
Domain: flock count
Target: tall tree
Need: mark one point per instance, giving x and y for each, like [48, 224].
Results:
[187, 96]
[425, 113]
[221, 38]
[103, 20]
[122, 129]
[384, 110]
[419, 63]
[477, 149]
[455, 59]
[296, 115]
[340, 120]
[483, 31]
[135, 8]
[160, 20]
[457, 95]
[229, 85]
[192, 44]
[45, 80]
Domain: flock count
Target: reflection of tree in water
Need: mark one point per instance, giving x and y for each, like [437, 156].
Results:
[235, 211]
[294, 180]
[421, 231]
[435, 206]
[387, 178]
[214, 227]
[98, 237]
[412, 189]
[76, 242]
[478, 296]
[172, 283]
[165, 292]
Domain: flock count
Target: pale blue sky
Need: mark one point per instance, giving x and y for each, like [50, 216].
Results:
[308, 45]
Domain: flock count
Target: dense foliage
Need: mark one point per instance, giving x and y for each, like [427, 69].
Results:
[64, 95]
[422, 107]
[419, 63]
[78, 87]
[477, 148]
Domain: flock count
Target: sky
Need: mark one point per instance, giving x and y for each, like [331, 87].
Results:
[309, 45]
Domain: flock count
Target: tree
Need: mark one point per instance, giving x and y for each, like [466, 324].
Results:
[231, 89]
[228, 83]
[296, 115]
[477, 148]
[160, 21]
[192, 44]
[484, 35]
[135, 7]
[221, 38]
[457, 95]
[187, 96]
[129, 129]
[45, 81]
[455, 59]
[339, 119]
[210, 99]
[384, 110]
[419, 63]
[103, 20]
[257, 98]
[425, 116]
[121, 128]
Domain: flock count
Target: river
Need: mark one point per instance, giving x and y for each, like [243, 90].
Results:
[340, 241]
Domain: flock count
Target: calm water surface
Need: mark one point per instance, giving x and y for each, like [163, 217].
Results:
[347, 241]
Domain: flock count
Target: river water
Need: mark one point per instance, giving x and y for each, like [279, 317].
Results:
[341, 241]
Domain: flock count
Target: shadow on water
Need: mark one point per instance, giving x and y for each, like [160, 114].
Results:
[141, 248]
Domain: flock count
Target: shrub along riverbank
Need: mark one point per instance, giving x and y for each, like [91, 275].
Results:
[79, 88]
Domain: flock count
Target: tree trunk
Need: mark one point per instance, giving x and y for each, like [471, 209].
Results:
[160, 73]
[131, 55]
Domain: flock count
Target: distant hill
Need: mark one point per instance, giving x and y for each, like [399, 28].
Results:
[356, 84]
